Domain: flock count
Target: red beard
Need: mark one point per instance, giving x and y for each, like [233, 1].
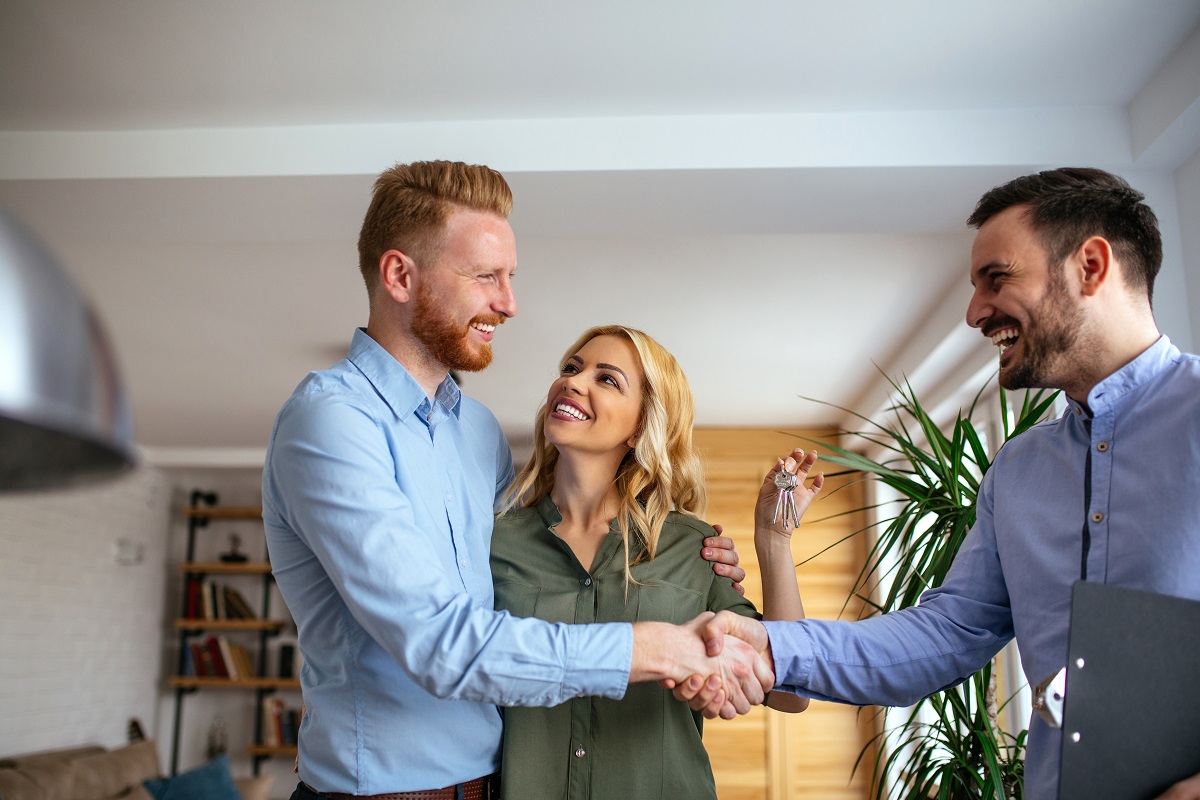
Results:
[447, 341]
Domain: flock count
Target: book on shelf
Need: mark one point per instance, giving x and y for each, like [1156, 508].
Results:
[236, 606]
[227, 658]
[202, 661]
[213, 646]
[195, 607]
[209, 600]
[241, 660]
[272, 728]
[281, 724]
[208, 611]
[189, 663]
[290, 725]
[217, 657]
[287, 660]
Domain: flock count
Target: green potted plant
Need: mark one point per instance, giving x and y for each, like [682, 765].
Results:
[936, 473]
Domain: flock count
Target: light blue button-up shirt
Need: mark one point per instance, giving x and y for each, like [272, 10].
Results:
[378, 507]
[1015, 571]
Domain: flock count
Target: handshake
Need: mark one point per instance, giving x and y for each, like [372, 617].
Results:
[720, 664]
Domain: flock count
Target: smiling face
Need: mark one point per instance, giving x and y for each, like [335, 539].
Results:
[595, 405]
[1024, 304]
[465, 290]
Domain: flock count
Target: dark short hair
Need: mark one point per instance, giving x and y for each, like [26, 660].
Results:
[411, 202]
[1066, 206]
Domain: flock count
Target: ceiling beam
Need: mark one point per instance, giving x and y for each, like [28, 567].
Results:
[763, 141]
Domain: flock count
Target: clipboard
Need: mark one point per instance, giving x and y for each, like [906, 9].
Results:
[1131, 712]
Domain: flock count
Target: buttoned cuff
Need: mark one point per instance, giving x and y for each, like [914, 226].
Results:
[792, 653]
[599, 658]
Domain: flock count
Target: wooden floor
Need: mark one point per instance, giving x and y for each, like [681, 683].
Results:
[767, 754]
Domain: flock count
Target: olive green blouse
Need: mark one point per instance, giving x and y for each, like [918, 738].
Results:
[646, 745]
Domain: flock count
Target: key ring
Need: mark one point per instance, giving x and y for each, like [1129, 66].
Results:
[785, 502]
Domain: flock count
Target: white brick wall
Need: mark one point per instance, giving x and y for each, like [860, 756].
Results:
[80, 634]
[85, 643]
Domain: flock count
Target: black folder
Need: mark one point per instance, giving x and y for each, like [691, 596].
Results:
[1131, 717]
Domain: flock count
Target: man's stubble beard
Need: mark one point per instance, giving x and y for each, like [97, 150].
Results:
[1048, 339]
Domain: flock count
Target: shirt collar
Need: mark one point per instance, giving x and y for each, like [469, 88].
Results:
[396, 386]
[1108, 392]
[550, 514]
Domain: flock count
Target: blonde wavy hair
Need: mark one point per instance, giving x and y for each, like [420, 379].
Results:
[661, 474]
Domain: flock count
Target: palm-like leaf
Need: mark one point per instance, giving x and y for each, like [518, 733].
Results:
[936, 473]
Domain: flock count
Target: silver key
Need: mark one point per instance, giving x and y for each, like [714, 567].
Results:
[785, 503]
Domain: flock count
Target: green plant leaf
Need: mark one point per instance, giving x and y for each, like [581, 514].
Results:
[936, 472]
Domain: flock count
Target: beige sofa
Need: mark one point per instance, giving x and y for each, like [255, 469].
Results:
[95, 773]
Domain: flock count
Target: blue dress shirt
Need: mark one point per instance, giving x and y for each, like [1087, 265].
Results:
[1015, 571]
[378, 507]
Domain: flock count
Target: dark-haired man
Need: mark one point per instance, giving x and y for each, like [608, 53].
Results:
[1063, 268]
[378, 495]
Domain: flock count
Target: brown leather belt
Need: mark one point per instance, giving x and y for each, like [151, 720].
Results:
[485, 788]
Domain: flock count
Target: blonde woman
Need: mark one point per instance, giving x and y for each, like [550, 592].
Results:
[603, 525]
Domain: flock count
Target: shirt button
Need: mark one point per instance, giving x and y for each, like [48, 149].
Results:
[587, 581]
[580, 752]
[1098, 517]
[1102, 447]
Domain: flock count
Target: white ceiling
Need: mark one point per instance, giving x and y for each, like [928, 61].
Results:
[775, 190]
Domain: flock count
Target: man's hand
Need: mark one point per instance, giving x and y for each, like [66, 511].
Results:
[1184, 790]
[722, 552]
[739, 676]
[700, 694]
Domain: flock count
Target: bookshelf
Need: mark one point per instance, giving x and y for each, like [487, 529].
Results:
[223, 636]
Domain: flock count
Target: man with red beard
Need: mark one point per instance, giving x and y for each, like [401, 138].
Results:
[378, 494]
[1063, 268]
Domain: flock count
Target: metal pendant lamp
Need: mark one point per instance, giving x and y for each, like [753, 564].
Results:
[64, 415]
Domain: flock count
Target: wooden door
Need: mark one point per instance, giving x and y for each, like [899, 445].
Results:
[767, 754]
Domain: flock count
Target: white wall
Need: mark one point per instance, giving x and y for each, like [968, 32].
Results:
[80, 634]
[1171, 310]
[1187, 188]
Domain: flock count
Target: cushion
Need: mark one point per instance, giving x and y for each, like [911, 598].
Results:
[44, 756]
[16, 785]
[139, 760]
[212, 781]
[42, 780]
[258, 788]
[109, 773]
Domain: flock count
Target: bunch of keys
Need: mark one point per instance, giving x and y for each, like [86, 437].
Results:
[785, 504]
